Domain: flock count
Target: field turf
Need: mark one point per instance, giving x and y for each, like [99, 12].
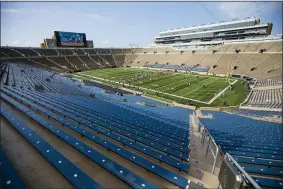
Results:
[181, 87]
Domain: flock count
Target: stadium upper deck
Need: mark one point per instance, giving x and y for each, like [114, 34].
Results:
[217, 32]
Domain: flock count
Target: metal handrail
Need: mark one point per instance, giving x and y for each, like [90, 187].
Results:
[215, 155]
[203, 133]
[247, 176]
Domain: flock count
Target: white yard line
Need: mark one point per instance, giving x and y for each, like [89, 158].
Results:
[200, 87]
[92, 76]
[216, 96]
[144, 88]
[175, 95]
[209, 102]
[172, 84]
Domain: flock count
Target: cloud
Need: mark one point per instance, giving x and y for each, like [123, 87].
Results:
[10, 10]
[52, 11]
[7, 10]
[105, 42]
[16, 43]
[93, 15]
[247, 9]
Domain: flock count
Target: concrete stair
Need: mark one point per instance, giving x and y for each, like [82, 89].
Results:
[200, 174]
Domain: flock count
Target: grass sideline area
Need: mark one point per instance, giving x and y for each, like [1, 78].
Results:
[185, 88]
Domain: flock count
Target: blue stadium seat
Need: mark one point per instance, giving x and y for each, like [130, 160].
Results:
[78, 178]
[156, 169]
[258, 113]
[9, 176]
[200, 69]
[144, 123]
[259, 161]
[111, 166]
[102, 118]
[93, 125]
[256, 145]
[242, 139]
[252, 150]
[186, 68]
[157, 65]
[247, 145]
[149, 126]
[258, 155]
[263, 170]
[159, 156]
[171, 67]
[243, 136]
[267, 182]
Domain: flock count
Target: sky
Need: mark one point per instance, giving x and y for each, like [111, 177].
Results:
[119, 24]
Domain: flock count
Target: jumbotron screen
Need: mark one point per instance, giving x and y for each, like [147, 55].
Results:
[70, 39]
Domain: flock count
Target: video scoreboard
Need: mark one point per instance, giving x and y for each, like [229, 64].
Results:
[70, 39]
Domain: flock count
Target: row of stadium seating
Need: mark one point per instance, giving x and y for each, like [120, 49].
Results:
[177, 118]
[177, 67]
[180, 120]
[227, 48]
[67, 61]
[89, 62]
[73, 174]
[162, 139]
[177, 135]
[274, 46]
[185, 68]
[200, 69]
[171, 67]
[85, 119]
[27, 51]
[26, 77]
[140, 134]
[274, 81]
[152, 54]
[3, 74]
[64, 51]
[256, 65]
[152, 167]
[269, 98]
[45, 52]
[256, 145]
[258, 113]
[143, 136]
[10, 177]
[9, 52]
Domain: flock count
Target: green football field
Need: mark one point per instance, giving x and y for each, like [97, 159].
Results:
[180, 87]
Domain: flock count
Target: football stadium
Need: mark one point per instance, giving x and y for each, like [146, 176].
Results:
[199, 108]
